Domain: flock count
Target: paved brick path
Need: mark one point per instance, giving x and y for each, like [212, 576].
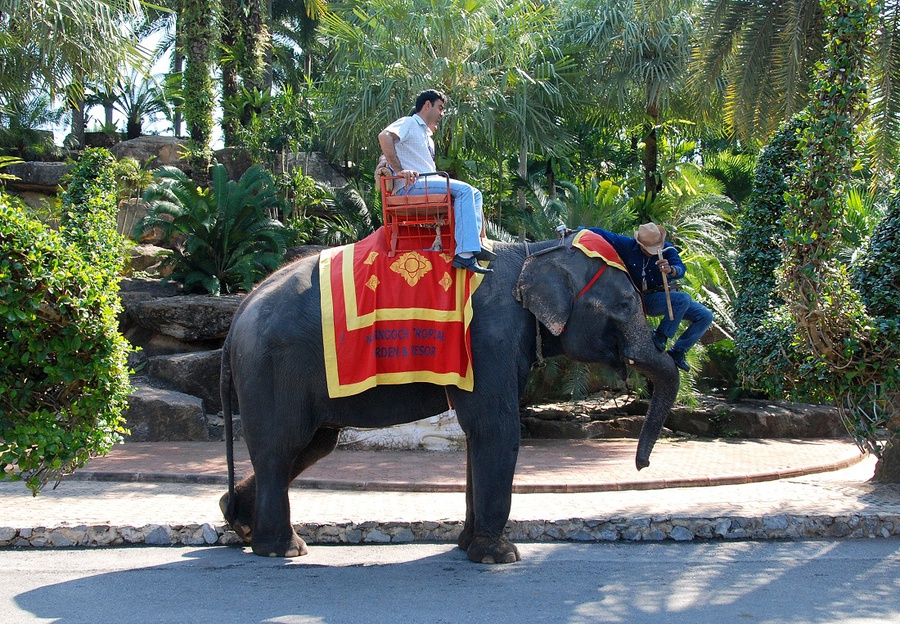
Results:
[543, 466]
[581, 490]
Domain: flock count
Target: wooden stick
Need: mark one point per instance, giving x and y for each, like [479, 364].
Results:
[666, 287]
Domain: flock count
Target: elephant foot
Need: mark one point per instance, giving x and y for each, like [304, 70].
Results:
[240, 526]
[465, 538]
[485, 549]
[294, 547]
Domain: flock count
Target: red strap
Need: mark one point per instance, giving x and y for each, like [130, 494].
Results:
[590, 283]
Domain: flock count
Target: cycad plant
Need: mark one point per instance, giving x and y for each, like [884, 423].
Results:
[222, 238]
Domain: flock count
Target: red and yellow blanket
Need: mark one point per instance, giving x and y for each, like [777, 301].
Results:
[595, 246]
[394, 320]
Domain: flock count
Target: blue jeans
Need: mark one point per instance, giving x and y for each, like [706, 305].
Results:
[467, 212]
[683, 308]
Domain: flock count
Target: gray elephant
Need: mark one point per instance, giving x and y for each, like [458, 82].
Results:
[274, 358]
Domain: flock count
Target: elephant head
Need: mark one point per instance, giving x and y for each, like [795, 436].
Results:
[597, 314]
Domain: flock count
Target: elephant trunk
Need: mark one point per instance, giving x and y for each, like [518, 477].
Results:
[661, 372]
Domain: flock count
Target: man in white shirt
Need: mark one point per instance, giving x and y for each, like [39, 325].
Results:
[408, 146]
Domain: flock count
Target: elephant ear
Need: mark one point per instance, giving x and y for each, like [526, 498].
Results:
[544, 288]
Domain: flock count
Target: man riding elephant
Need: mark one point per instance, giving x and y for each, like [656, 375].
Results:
[652, 262]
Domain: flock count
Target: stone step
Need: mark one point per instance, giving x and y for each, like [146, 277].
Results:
[156, 415]
[196, 373]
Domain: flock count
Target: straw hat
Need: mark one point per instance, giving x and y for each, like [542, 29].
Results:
[650, 237]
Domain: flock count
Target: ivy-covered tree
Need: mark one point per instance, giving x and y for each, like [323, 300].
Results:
[847, 353]
[199, 19]
[763, 330]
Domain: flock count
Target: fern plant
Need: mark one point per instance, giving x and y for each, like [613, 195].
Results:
[222, 239]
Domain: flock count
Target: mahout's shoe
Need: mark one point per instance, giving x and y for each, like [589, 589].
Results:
[680, 362]
[470, 264]
[659, 340]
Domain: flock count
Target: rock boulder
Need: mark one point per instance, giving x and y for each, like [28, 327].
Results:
[195, 373]
[154, 151]
[187, 317]
[156, 415]
[43, 177]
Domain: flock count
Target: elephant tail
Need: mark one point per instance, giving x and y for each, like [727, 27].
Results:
[225, 395]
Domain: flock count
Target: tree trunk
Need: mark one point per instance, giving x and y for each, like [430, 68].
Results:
[523, 175]
[177, 68]
[254, 32]
[652, 180]
[133, 129]
[230, 32]
[551, 179]
[887, 470]
[201, 37]
[78, 123]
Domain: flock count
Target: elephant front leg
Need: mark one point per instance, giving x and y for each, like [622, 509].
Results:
[489, 488]
[468, 532]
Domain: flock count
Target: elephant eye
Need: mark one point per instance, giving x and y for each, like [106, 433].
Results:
[625, 307]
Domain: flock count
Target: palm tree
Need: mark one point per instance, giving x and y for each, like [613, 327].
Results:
[140, 97]
[642, 49]
[199, 18]
[163, 25]
[755, 61]
[136, 97]
[52, 43]
[293, 27]
[20, 125]
[56, 44]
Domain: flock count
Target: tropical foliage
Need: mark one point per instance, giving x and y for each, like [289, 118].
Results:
[53, 44]
[580, 112]
[223, 237]
[19, 123]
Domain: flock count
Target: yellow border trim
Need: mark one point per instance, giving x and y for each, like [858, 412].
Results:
[356, 321]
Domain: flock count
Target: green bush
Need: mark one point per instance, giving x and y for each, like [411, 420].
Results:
[224, 238]
[89, 210]
[63, 372]
[763, 331]
[876, 274]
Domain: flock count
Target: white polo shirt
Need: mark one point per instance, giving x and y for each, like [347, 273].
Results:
[415, 149]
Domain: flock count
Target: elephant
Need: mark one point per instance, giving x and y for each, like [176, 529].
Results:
[273, 357]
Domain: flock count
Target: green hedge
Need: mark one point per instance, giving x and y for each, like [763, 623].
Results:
[63, 364]
[764, 331]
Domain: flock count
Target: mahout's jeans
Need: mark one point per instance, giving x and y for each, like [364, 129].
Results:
[468, 216]
[683, 308]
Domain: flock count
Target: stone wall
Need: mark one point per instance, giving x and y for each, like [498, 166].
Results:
[622, 416]
[636, 529]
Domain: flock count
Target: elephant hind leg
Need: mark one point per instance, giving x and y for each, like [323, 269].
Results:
[286, 542]
[324, 441]
[240, 516]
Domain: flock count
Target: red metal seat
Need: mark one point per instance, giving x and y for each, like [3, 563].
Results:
[418, 222]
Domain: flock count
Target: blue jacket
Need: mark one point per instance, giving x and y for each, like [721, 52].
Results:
[642, 268]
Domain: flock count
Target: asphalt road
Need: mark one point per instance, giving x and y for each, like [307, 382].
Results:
[847, 581]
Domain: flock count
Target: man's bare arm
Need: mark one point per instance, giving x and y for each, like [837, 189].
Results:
[386, 139]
